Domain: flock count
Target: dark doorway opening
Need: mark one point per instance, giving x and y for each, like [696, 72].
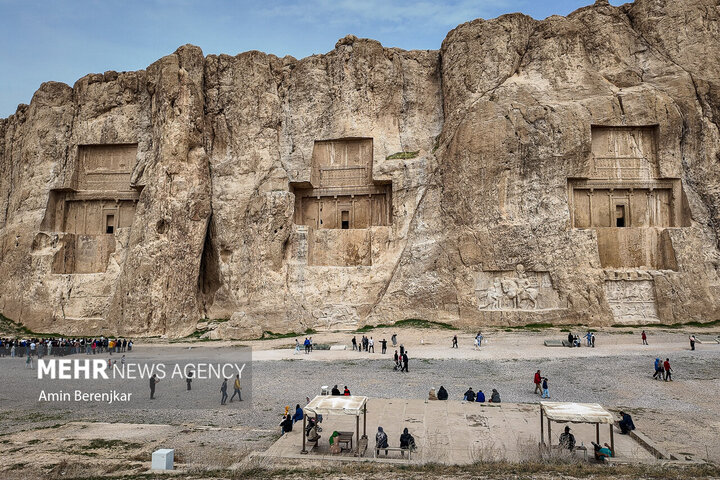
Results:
[110, 224]
[345, 221]
[620, 215]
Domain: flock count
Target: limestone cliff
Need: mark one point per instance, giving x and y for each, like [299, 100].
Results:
[564, 170]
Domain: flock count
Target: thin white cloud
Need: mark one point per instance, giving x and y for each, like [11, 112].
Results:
[389, 14]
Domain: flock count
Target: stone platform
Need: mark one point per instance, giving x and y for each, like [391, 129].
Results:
[453, 432]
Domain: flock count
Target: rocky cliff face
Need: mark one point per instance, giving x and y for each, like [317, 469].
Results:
[564, 170]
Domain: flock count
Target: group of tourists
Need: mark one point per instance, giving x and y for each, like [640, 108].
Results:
[307, 344]
[574, 340]
[223, 390]
[368, 344]
[336, 391]
[477, 341]
[288, 419]
[468, 396]
[407, 441]
[401, 360]
[39, 347]
[663, 370]
[541, 385]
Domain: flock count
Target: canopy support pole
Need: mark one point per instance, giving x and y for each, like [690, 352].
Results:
[365, 420]
[612, 440]
[304, 451]
[542, 427]
[597, 433]
[549, 434]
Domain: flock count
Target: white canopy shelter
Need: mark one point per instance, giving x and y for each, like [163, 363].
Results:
[563, 412]
[338, 405]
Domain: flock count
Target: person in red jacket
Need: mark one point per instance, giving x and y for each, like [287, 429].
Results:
[538, 380]
[346, 392]
[668, 370]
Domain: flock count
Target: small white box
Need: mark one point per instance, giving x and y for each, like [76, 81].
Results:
[163, 459]
[324, 390]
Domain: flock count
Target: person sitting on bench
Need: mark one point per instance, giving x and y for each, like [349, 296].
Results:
[335, 391]
[407, 441]
[567, 439]
[626, 424]
[602, 453]
[381, 441]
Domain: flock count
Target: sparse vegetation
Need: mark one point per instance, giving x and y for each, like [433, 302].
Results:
[267, 335]
[402, 155]
[409, 322]
[714, 323]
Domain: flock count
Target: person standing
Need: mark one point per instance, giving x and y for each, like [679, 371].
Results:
[297, 347]
[237, 388]
[153, 382]
[454, 342]
[393, 339]
[592, 340]
[546, 392]
[29, 360]
[588, 339]
[307, 345]
[188, 380]
[668, 370]
[223, 390]
[405, 362]
[383, 344]
[692, 342]
[396, 357]
[643, 335]
[371, 345]
[402, 350]
[538, 380]
[354, 343]
[478, 340]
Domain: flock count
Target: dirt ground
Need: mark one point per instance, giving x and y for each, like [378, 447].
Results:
[680, 416]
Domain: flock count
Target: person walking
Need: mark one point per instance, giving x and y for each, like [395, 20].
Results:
[538, 380]
[393, 339]
[396, 357]
[546, 392]
[153, 381]
[478, 340]
[29, 360]
[692, 342]
[188, 380]
[658, 369]
[405, 362]
[237, 388]
[307, 345]
[668, 370]
[383, 344]
[297, 347]
[592, 340]
[454, 342]
[643, 335]
[223, 389]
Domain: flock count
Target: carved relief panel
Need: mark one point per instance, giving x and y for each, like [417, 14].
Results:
[632, 301]
[516, 290]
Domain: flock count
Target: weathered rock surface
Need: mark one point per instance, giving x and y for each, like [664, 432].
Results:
[567, 171]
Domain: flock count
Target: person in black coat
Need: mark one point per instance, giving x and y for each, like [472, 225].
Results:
[335, 391]
[442, 394]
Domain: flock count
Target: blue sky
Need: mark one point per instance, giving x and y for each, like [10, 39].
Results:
[65, 40]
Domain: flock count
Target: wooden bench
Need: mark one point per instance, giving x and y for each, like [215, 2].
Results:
[393, 449]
